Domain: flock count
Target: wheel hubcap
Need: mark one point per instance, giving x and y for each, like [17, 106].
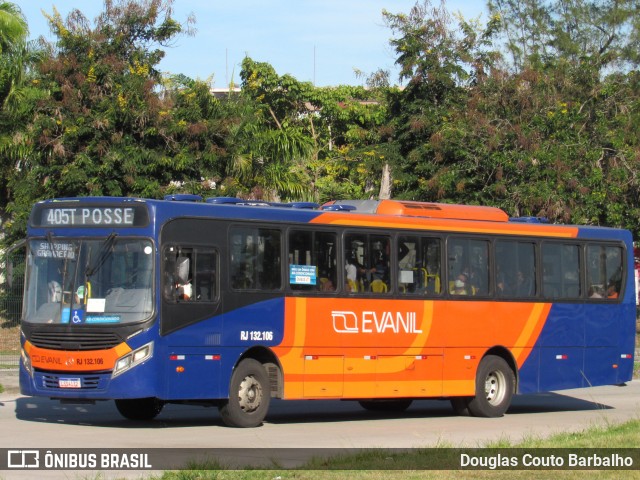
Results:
[495, 387]
[250, 394]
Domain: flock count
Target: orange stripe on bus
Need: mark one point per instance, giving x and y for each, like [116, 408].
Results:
[459, 226]
[77, 361]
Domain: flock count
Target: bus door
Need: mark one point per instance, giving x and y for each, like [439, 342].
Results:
[191, 306]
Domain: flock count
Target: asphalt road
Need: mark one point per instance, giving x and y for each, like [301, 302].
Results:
[43, 423]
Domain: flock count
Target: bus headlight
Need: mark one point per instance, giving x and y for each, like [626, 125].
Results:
[26, 362]
[132, 359]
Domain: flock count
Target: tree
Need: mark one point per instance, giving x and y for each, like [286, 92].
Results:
[599, 34]
[13, 26]
[269, 147]
[17, 95]
[105, 127]
[441, 59]
[306, 142]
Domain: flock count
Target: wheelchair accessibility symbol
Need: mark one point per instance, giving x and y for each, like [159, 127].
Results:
[77, 316]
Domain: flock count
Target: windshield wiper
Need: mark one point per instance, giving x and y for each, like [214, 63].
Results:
[103, 254]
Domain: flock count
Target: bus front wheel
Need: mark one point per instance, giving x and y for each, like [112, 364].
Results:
[249, 396]
[495, 382]
[139, 408]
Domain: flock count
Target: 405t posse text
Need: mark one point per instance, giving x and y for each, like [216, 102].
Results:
[89, 216]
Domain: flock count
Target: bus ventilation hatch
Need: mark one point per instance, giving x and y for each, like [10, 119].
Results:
[423, 209]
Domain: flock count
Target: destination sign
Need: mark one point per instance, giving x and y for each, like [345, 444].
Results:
[91, 216]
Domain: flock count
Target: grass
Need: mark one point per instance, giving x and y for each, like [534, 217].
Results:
[380, 464]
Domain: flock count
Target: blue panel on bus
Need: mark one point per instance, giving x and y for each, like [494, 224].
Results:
[579, 346]
[261, 323]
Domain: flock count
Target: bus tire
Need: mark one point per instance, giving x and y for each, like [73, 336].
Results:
[460, 405]
[139, 408]
[249, 396]
[495, 382]
[386, 405]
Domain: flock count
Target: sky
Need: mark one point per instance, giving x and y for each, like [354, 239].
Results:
[320, 41]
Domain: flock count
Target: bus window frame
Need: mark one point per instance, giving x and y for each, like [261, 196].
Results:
[421, 235]
[210, 248]
[249, 224]
[489, 240]
[392, 287]
[581, 270]
[537, 262]
[582, 245]
[623, 264]
[287, 230]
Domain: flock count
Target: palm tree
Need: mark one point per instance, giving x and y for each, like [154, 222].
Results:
[13, 26]
[15, 53]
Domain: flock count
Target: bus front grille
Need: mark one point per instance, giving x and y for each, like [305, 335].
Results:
[75, 341]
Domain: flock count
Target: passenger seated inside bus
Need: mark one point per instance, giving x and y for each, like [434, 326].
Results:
[460, 285]
[352, 275]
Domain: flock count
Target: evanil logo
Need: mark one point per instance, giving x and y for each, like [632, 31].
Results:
[374, 322]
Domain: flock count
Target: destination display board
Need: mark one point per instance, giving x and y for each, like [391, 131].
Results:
[52, 215]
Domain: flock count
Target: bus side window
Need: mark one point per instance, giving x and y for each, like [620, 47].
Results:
[189, 274]
[312, 261]
[206, 267]
[604, 271]
[561, 270]
[468, 262]
[515, 269]
[419, 265]
[367, 263]
[255, 258]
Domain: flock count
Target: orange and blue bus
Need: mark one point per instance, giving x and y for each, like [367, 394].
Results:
[229, 303]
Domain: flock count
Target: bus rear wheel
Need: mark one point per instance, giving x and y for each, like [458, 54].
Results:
[249, 396]
[495, 382]
[139, 408]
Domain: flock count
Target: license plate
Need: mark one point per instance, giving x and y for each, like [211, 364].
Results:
[69, 383]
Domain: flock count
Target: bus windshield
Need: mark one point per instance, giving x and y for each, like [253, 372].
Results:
[89, 281]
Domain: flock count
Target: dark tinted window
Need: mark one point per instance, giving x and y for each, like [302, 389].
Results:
[255, 258]
[561, 270]
[604, 271]
[468, 261]
[515, 269]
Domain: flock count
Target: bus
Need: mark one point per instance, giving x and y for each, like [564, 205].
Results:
[230, 303]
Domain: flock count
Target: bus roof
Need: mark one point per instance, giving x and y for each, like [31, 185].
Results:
[371, 213]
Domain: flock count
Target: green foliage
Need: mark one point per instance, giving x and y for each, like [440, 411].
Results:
[557, 138]
[535, 111]
[101, 124]
[300, 133]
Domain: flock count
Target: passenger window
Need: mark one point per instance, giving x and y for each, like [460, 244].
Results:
[561, 270]
[604, 271]
[515, 269]
[419, 269]
[312, 261]
[468, 261]
[367, 263]
[189, 274]
[255, 259]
